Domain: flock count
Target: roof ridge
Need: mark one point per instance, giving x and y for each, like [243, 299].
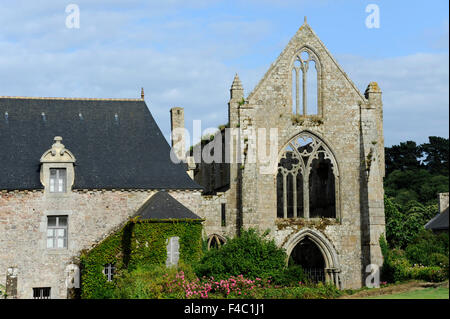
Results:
[68, 98]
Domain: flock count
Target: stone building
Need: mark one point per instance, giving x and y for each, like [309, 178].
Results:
[320, 193]
[107, 160]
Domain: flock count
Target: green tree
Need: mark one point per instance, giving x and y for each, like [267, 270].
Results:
[404, 222]
[437, 153]
[405, 156]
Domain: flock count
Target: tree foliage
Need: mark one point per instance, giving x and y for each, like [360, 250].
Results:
[417, 172]
[249, 254]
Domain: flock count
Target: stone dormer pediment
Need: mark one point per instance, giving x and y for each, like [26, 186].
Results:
[58, 153]
[57, 169]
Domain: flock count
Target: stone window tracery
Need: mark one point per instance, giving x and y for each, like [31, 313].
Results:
[215, 241]
[306, 83]
[307, 180]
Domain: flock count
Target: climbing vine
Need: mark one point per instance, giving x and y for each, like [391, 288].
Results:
[138, 243]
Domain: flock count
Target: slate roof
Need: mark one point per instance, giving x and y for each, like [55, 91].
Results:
[163, 206]
[438, 222]
[117, 144]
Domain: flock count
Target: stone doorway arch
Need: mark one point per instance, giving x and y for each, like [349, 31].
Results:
[323, 246]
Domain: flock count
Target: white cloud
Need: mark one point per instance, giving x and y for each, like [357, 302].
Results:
[415, 93]
[189, 61]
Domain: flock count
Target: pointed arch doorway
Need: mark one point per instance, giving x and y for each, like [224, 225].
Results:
[317, 256]
[310, 258]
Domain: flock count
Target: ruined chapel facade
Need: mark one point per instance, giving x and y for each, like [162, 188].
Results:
[322, 200]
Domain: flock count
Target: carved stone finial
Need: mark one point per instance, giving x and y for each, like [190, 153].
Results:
[58, 147]
[58, 153]
[142, 93]
[237, 85]
[237, 91]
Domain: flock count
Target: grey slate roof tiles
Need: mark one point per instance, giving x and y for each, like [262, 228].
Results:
[438, 222]
[163, 206]
[117, 144]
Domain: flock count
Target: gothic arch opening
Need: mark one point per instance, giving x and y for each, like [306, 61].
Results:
[307, 179]
[215, 241]
[317, 256]
[306, 83]
[308, 255]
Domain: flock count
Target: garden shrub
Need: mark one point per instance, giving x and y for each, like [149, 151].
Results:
[249, 254]
[425, 259]
[428, 249]
[291, 276]
[175, 283]
[152, 282]
[2, 292]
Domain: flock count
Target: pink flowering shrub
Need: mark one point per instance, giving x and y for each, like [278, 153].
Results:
[163, 283]
[233, 287]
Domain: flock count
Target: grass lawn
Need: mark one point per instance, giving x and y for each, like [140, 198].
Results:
[427, 293]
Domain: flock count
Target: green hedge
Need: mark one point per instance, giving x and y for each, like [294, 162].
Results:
[426, 259]
[137, 244]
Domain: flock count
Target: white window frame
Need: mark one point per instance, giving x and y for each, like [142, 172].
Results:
[57, 232]
[58, 181]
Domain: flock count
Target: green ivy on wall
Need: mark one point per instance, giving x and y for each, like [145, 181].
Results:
[138, 243]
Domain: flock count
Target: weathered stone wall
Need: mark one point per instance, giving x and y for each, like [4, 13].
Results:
[349, 123]
[92, 216]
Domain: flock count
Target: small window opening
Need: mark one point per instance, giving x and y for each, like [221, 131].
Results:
[109, 270]
[41, 293]
[58, 180]
[223, 215]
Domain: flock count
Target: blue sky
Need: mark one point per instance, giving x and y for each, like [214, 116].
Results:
[185, 53]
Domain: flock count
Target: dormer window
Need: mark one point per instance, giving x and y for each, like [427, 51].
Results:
[57, 169]
[58, 180]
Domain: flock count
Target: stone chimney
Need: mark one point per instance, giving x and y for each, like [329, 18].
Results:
[178, 134]
[443, 201]
[236, 97]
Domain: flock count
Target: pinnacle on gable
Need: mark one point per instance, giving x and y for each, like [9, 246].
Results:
[237, 85]
[372, 88]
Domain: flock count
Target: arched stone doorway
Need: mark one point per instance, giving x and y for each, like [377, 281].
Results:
[308, 255]
[312, 250]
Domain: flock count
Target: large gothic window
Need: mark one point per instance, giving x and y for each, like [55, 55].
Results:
[305, 83]
[307, 179]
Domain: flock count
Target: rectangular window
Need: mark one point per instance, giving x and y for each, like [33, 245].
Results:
[41, 293]
[224, 216]
[58, 178]
[109, 270]
[57, 232]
